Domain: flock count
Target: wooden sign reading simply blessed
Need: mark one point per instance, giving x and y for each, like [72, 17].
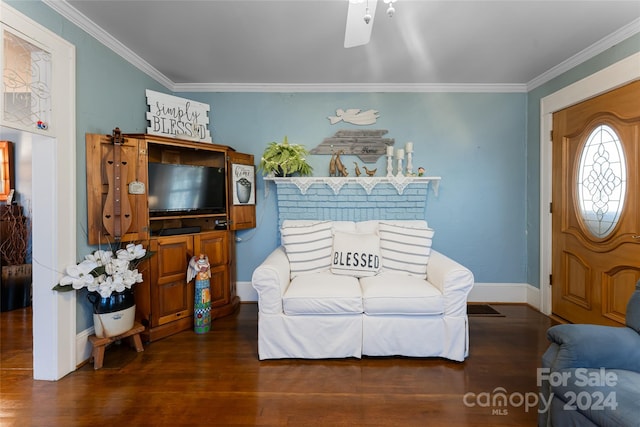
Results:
[177, 117]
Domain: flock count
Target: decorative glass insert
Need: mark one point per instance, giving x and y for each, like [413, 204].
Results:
[26, 83]
[602, 181]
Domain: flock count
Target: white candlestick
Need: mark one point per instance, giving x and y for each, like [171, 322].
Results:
[409, 164]
[390, 150]
[390, 163]
[409, 147]
[399, 173]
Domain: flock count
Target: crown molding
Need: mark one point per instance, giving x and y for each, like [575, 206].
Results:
[87, 25]
[349, 87]
[72, 14]
[598, 47]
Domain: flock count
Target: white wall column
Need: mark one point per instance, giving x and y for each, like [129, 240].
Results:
[53, 205]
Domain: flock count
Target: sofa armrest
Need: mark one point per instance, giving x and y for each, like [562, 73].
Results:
[271, 279]
[593, 346]
[452, 279]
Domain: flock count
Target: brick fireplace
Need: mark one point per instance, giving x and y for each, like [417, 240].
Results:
[353, 199]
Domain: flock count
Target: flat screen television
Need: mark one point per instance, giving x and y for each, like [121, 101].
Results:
[186, 189]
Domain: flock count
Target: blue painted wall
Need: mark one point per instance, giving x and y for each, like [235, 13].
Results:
[475, 142]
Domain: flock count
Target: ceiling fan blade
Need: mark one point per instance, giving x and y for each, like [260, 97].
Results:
[358, 32]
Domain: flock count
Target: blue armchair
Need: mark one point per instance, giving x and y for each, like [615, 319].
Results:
[590, 374]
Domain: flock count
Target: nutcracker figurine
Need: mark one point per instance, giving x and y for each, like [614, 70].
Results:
[200, 268]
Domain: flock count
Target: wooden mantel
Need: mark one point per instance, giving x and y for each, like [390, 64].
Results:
[367, 183]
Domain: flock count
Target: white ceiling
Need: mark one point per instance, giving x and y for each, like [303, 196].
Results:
[261, 43]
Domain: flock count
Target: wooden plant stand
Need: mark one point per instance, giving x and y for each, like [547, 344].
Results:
[100, 344]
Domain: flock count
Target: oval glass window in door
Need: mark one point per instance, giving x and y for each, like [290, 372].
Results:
[602, 181]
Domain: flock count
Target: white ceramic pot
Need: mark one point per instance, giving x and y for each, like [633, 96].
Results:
[112, 324]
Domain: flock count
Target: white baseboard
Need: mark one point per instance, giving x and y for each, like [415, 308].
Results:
[534, 297]
[83, 346]
[505, 293]
[245, 292]
[481, 292]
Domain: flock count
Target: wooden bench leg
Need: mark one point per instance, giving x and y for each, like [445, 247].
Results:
[137, 343]
[98, 356]
[100, 344]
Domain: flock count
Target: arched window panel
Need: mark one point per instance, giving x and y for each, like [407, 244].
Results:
[26, 84]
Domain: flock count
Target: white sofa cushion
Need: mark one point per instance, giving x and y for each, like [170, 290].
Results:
[355, 254]
[348, 226]
[405, 249]
[370, 226]
[322, 293]
[308, 246]
[394, 293]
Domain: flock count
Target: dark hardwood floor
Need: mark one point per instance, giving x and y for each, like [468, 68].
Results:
[217, 379]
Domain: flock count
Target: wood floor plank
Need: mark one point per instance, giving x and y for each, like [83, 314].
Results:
[217, 379]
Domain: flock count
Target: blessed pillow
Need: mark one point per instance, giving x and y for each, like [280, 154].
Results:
[308, 247]
[405, 249]
[355, 254]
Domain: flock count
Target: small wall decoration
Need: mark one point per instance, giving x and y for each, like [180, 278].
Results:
[244, 178]
[200, 268]
[368, 145]
[336, 167]
[354, 116]
[176, 117]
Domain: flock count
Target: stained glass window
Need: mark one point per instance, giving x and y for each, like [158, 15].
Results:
[602, 181]
[26, 83]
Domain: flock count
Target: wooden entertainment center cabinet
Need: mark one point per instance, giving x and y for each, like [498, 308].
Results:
[164, 301]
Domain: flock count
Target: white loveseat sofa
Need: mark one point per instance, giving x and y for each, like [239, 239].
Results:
[346, 289]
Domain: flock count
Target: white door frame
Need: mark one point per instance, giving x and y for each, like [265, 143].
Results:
[53, 206]
[616, 75]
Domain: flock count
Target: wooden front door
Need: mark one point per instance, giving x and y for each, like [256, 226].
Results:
[596, 207]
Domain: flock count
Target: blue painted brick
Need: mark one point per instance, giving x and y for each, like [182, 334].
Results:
[287, 203]
[284, 190]
[352, 203]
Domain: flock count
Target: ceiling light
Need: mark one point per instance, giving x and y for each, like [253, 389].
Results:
[391, 10]
[361, 16]
[367, 16]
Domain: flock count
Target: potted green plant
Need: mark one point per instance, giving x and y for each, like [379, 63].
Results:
[284, 159]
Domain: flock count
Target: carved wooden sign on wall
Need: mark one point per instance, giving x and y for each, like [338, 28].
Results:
[367, 144]
[176, 117]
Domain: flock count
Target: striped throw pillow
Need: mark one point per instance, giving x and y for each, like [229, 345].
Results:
[405, 249]
[308, 247]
